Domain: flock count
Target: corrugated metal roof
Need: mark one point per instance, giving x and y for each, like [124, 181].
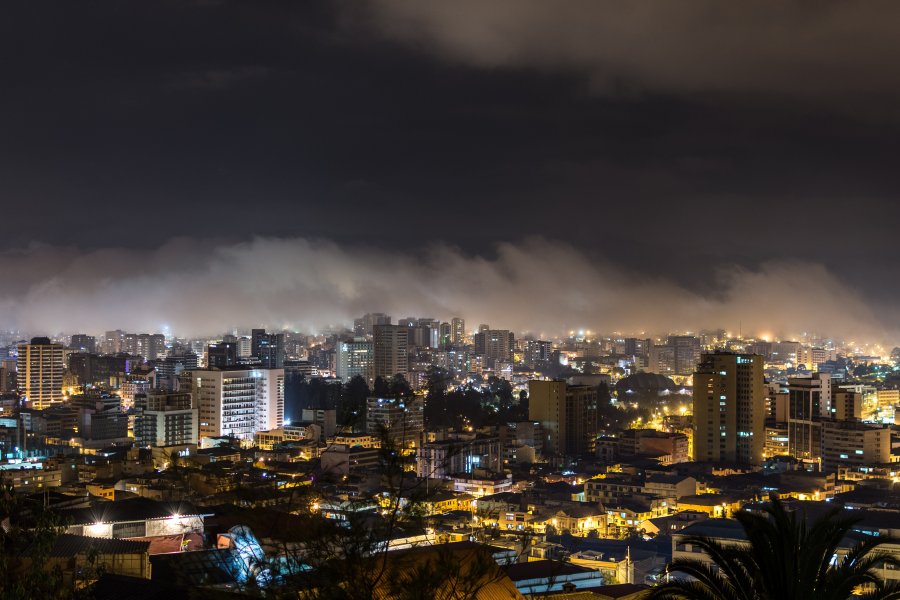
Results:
[70, 545]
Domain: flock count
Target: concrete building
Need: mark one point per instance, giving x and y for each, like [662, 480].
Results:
[355, 357]
[457, 331]
[391, 351]
[809, 401]
[662, 359]
[686, 353]
[443, 459]
[729, 408]
[40, 369]
[83, 343]
[402, 420]
[267, 440]
[165, 419]
[537, 354]
[849, 443]
[777, 440]
[846, 405]
[237, 402]
[268, 348]
[498, 344]
[567, 413]
[221, 355]
[365, 325]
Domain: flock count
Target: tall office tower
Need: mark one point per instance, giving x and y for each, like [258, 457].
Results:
[153, 346]
[567, 413]
[150, 346]
[165, 419]
[446, 335]
[390, 347]
[637, 347]
[83, 343]
[365, 325]
[40, 368]
[221, 355]
[130, 343]
[237, 402]
[268, 348]
[785, 352]
[846, 405]
[498, 344]
[114, 342]
[354, 358]
[811, 357]
[7, 375]
[852, 443]
[809, 400]
[729, 408]
[537, 353]
[244, 347]
[662, 360]
[402, 420]
[686, 350]
[457, 331]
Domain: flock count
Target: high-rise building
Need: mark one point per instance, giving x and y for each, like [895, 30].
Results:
[40, 368]
[114, 342]
[83, 343]
[729, 408]
[365, 325]
[785, 352]
[237, 402]
[244, 347]
[355, 357]
[221, 355]
[446, 458]
[537, 353]
[850, 443]
[401, 420]
[637, 347]
[268, 348]
[390, 347]
[498, 344]
[165, 419]
[148, 345]
[457, 331]
[809, 401]
[567, 413]
[662, 359]
[686, 352]
[846, 405]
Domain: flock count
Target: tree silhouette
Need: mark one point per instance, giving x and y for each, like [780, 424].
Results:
[785, 557]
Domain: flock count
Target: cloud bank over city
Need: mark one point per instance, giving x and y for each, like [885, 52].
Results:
[536, 285]
[836, 52]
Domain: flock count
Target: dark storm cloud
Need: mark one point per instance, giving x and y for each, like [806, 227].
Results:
[668, 142]
[830, 51]
[534, 285]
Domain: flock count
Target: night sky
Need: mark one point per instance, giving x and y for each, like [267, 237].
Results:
[672, 145]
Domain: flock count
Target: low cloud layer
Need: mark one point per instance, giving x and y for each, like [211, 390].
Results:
[537, 286]
[832, 51]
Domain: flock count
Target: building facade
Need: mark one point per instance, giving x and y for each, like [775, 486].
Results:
[40, 369]
[729, 408]
[567, 413]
